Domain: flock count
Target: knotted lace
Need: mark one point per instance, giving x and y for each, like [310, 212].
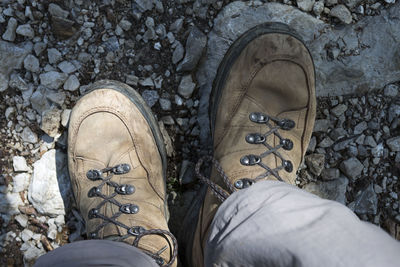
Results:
[123, 189]
[252, 159]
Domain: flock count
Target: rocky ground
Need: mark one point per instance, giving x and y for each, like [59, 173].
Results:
[51, 50]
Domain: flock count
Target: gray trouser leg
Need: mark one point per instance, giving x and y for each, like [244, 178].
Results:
[96, 253]
[276, 224]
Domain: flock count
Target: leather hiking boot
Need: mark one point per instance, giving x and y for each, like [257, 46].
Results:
[262, 115]
[117, 165]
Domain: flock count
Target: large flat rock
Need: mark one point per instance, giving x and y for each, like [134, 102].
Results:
[369, 57]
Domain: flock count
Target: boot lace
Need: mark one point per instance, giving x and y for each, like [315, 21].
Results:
[252, 159]
[123, 189]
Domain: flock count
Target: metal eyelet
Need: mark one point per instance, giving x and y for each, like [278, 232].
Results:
[94, 191]
[129, 209]
[255, 138]
[258, 117]
[93, 235]
[287, 144]
[243, 183]
[160, 261]
[136, 230]
[286, 124]
[93, 213]
[250, 160]
[94, 175]
[121, 169]
[287, 164]
[125, 189]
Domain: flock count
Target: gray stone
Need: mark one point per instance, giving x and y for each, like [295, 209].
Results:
[176, 26]
[391, 90]
[342, 144]
[366, 202]
[342, 13]
[330, 174]
[25, 30]
[72, 83]
[28, 136]
[315, 163]
[326, 142]
[125, 25]
[370, 141]
[19, 164]
[339, 110]
[39, 47]
[312, 144]
[195, 44]
[151, 97]
[56, 10]
[337, 133]
[53, 55]
[31, 63]
[352, 3]
[305, 5]
[333, 190]
[53, 79]
[321, 125]
[21, 182]
[51, 121]
[9, 34]
[26, 235]
[352, 168]
[66, 67]
[47, 179]
[331, 2]
[10, 63]
[318, 7]
[31, 254]
[361, 127]
[144, 5]
[165, 104]
[148, 82]
[178, 53]
[394, 143]
[186, 86]
[17, 82]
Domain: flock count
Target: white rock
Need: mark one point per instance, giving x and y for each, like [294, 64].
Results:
[52, 231]
[65, 117]
[44, 192]
[72, 83]
[9, 203]
[21, 182]
[67, 67]
[26, 235]
[9, 34]
[31, 254]
[26, 30]
[31, 63]
[125, 25]
[53, 55]
[59, 220]
[19, 164]
[22, 219]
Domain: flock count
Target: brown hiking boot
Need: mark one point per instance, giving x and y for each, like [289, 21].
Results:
[262, 117]
[117, 166]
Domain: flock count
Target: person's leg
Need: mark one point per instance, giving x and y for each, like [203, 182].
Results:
[276, 224]
[96, 253]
